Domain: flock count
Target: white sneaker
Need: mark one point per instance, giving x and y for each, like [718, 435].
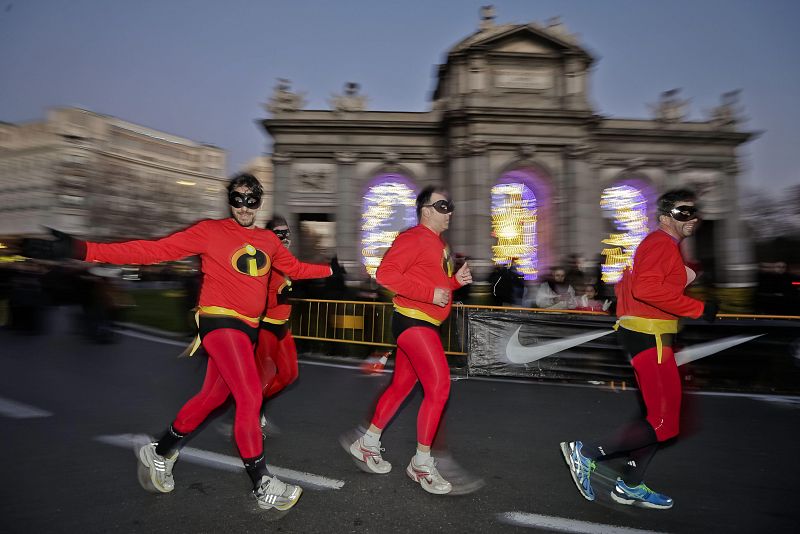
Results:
[159, 468]
[428, 477]
[272, 493]
[368, 457]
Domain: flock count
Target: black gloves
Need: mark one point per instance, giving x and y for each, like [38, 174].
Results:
[710, 310]
[62, 247]
[337, 271]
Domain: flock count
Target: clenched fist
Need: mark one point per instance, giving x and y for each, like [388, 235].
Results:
[441, 296]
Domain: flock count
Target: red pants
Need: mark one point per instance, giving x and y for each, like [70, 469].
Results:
[420, 356]
[660, 386]
[231, 371]
[276, 360]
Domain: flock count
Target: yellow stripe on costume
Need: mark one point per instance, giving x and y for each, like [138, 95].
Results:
[416, 314]
[274, 321]
[656, 327]
[215, 310]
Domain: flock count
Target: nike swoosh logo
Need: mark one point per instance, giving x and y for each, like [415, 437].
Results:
[518, 353]
[701, 350]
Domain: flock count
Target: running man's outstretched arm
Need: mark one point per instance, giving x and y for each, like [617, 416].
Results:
[187, 242]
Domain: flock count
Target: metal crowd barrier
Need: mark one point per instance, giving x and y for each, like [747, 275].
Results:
[369, 323]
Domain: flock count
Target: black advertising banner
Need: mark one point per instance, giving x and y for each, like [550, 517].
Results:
[539, 345]
[753, 355]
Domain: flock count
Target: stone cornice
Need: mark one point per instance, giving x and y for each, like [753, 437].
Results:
[281, 157]
[346, 158]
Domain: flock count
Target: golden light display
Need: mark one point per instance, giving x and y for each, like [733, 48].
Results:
[628, 207]
[514, 228]
[389, 208]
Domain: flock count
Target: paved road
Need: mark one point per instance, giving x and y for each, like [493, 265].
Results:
[70, 411]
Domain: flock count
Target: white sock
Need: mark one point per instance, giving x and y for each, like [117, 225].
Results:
[422, 457]
[372, 439]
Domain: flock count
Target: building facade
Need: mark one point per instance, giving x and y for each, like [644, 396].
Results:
[100, 177]
[535, 171]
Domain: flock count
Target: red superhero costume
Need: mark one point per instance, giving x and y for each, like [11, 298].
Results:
[416, 264]
[236, 262]
[276, 354]
[649, 301]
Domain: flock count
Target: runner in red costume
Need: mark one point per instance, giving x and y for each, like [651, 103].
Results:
[276, 354]
[236, 259]
[419, 270]
[650, 300]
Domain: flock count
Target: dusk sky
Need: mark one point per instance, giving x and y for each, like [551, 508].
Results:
[203, 69]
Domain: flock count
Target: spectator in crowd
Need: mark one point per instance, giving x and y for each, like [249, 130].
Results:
[555, 293]
[588, 301]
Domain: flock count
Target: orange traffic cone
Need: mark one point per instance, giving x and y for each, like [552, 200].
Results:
[375, 364]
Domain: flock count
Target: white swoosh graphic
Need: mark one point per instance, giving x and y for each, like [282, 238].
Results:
[516, 352]
[701, 350]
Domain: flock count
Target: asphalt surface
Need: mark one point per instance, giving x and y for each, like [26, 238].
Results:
[70, 467]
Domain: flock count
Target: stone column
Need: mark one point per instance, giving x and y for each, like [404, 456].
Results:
[348, 238]
[460, 187]
[583, 203]
[281, 176]
[735, 268]
[479, 225]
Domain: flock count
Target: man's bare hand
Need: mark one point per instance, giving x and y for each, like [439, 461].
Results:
[464, 275]
[441, 296]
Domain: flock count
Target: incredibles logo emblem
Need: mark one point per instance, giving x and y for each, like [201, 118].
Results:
[447, 262]
[250, 261]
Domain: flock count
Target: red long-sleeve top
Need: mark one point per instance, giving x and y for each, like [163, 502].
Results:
[653, 287]
[417, 263]
[235, 261]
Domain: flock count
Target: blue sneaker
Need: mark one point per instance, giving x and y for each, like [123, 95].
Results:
[639, 495]
[580, 467]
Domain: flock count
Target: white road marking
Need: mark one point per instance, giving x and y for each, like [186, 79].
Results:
[560, 524]
[149, 337]
[17, 410]
[228, 463]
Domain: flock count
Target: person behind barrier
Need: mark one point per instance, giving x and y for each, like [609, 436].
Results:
[236, 259]
[418, 268]
[650, 299]
[555, 292]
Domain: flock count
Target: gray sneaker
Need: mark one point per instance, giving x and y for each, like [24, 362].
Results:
[368, 457]
[272, 493]
[428, 477]
[159, 468]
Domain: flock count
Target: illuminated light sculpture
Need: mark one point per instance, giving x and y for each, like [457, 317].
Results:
[628, 207]
[389, 208]
[514, 228]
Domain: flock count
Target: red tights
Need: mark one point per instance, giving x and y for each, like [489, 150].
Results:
[660, 386]
[276, 360]
[231, 370]
[420, 356]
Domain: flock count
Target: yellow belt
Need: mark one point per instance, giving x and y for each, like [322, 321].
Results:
[274, 321]
[218, 311]
[416, 314]
[656, 327]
